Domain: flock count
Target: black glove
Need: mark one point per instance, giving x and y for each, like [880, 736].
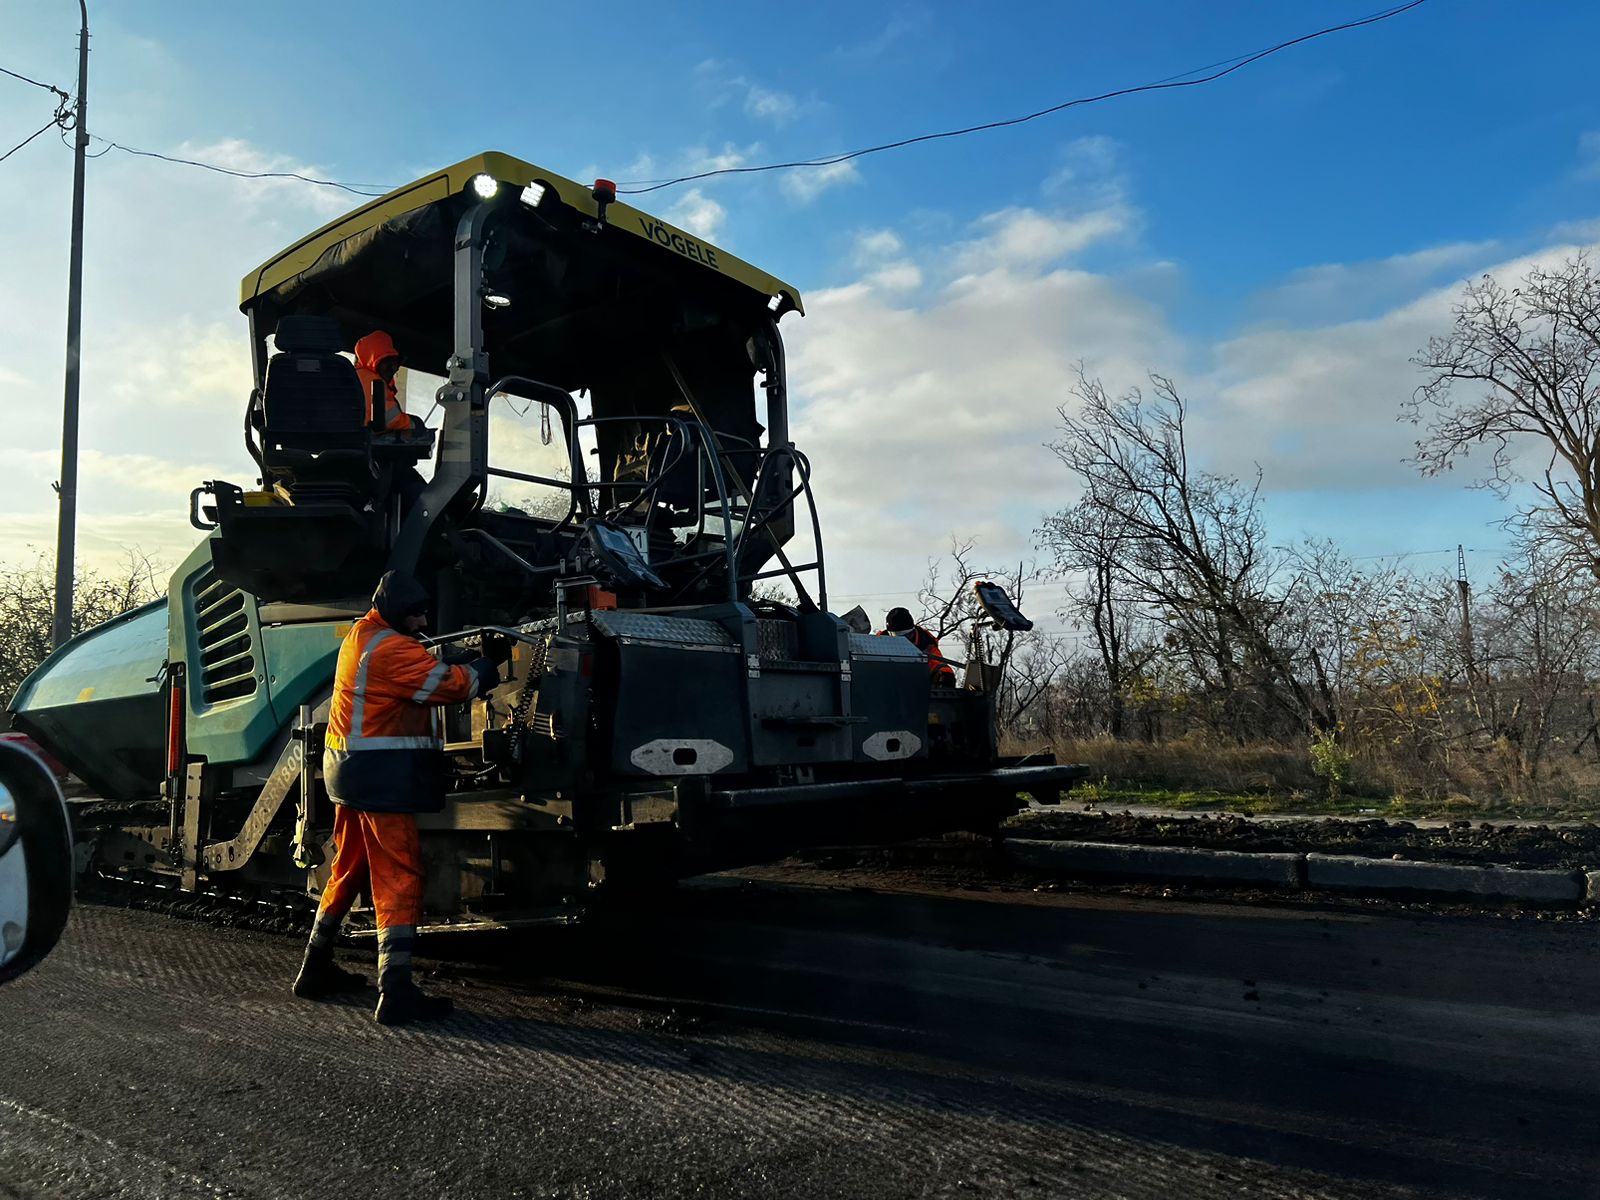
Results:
[459, 656]
[497, 648]
[488, 676]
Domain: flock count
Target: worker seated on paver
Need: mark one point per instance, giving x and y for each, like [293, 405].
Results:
[898, 622]
[377, 362]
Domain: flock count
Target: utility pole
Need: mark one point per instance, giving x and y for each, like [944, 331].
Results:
[67, 487]
[1464, 589]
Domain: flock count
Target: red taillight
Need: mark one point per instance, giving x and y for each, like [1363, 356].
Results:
[175, 726]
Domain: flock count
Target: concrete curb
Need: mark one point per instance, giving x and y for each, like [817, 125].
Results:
[1158, 862]
[1337, 872]
[1321, 872]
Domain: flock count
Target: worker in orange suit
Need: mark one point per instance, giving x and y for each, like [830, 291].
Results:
[377, 363]
[383, 761]
[898, 622]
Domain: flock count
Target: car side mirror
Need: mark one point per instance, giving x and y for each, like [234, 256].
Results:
[35, 861]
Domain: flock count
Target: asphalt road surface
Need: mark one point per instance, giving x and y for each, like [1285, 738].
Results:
[777, 1040]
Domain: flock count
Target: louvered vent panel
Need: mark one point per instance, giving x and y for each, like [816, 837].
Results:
[227, 655]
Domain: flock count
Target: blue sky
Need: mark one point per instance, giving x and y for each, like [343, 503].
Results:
[1279, 242]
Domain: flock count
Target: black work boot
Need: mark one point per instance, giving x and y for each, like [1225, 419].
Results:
[401, 1003]
[320, 977]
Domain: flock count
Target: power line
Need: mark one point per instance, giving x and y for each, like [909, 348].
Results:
[50, 124]
[355, 188]
[49, 87]
[638, 187]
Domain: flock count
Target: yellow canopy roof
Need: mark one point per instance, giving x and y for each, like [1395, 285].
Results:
[510, 172]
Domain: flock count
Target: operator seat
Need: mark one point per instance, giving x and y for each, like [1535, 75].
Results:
[316, 454]
[314, 434]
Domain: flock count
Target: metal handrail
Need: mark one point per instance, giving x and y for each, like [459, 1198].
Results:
[694, 433]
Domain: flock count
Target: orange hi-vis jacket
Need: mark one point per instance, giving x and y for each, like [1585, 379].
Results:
[924, 640]
[370, 351]
[939, 671]
[383, 752]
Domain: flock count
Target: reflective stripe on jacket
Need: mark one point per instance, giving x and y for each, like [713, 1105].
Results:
[383, 752]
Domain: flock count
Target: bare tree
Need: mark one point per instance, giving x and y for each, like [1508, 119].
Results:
[27, 606]
[1527, 359]
[1025, 663]
[1191, 544]
[1087, 552]
[1542, 655]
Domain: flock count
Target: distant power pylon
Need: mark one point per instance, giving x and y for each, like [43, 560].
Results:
[1464, 588]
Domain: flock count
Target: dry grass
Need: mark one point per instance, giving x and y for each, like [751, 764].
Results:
[1272, 776]
[1189, 763]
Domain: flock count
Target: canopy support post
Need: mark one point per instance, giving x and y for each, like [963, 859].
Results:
[462, 461]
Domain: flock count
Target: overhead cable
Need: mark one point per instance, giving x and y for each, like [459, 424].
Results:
[640, 186]
[49, 87]
[356, 189]
[1190, 78]
[50, 124]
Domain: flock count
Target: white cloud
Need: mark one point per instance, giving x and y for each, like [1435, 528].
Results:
[699, 158]
[897, 276]
[873, 245]
[197, 367]
[127, 502]
[1589, 155]
[1583, 232]
[926, 414]
[699, 214]
[805, 184]
[691, 160]
[165, 369]
[1024, 238]
[725, 82]
[239, 155]
[927, 384]
[104, 539]
[1336, 291]
[767, 104]
[1091, 162]
[1316, 406]
[905, 24]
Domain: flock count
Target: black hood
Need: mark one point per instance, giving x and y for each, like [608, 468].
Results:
[398, 595]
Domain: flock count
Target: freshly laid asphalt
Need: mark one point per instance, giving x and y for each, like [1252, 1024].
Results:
[774, 1039]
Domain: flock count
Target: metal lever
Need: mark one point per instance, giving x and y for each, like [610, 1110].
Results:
[306, 853]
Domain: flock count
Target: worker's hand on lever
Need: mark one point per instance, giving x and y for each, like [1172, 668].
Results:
[488, 675]
[497, 648]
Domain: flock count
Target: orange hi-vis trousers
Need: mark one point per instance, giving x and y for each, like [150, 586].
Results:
[379, 852]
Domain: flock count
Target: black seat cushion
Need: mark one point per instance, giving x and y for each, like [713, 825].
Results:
[312, 393]
[309, 335]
